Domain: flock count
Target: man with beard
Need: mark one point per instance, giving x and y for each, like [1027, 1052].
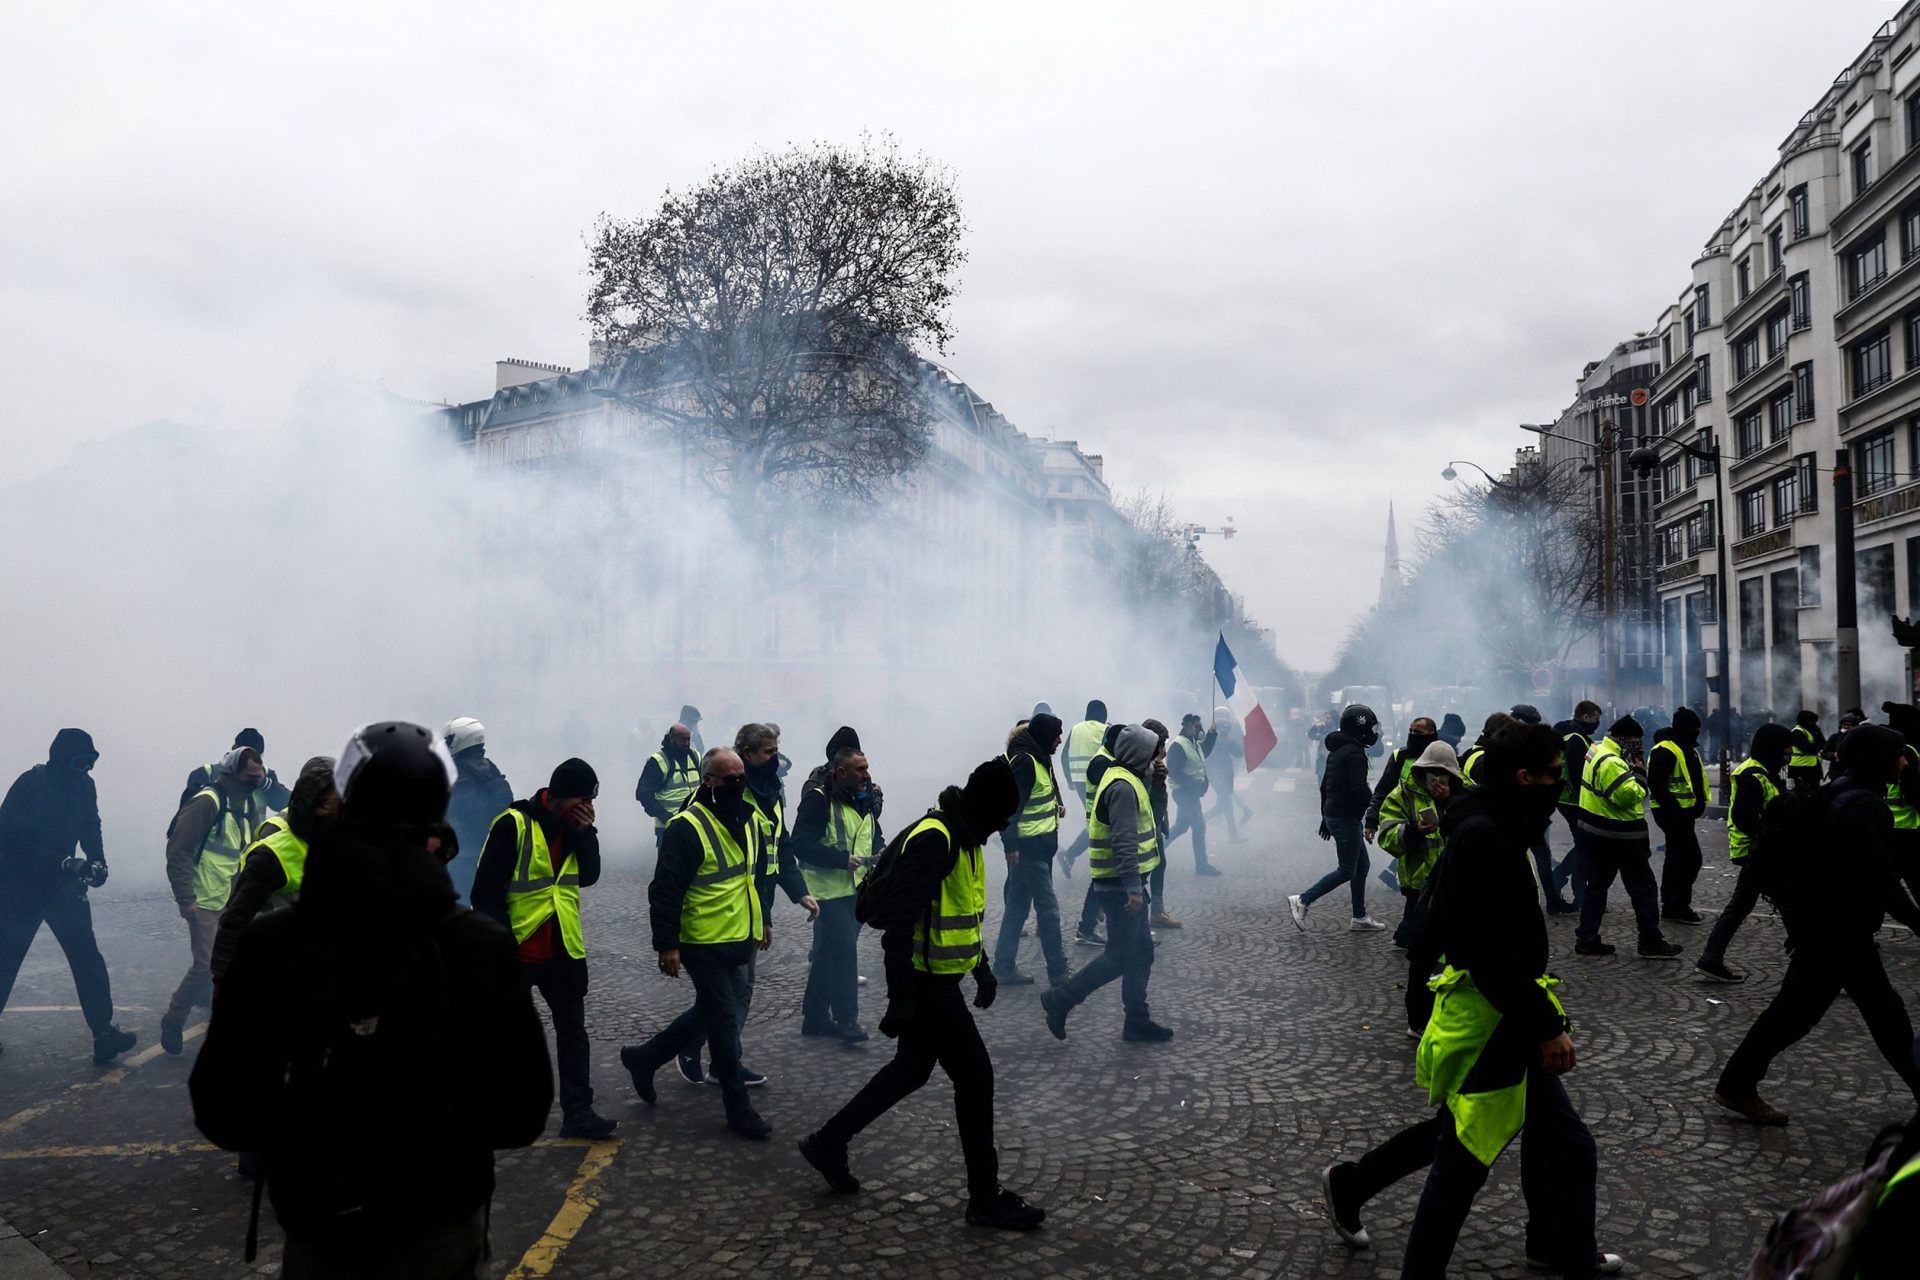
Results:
[758, 746]
[1677, 788]
[1831, 874]
[941, 862]
[1030, 843]
[51, 810]
[275, 863]
[670, 775]
[376, 1042]
[705, 906]
[1756, 785]
[1494, 1051]
[480, 794]
[835, 837]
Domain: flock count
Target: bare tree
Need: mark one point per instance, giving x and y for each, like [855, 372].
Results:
[773, 314]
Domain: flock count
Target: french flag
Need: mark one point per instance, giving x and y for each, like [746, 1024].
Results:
[1245, 707]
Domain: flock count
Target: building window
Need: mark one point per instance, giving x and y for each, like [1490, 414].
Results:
[1666, 349]
[1800, 301]
[1780, 416]
[1743, 275]
[1913, 340]
[1705, 364]
[1871, 362]
[1746, 356]
[1786, 496]
[1776, 334]
[1866, 266]
[1750, 432]
[1863, 167]
[1753, 614]
[1753, 511]
[1670, 482]
[1809, 493]
[1802, 392]
[1703, 305]
[1798, 213]
[1673, 545]
[1776, 242]
[1913, 120]
[1873, 469]
[1689, 398]
[1666, 416]
[1809, 577]
[1909, 233]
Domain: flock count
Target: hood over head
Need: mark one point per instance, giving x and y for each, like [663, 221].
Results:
[1134, 747]
[989, 799]
[236, 760]
[1870, 753]
[1686, 725]
[1097, 711]
[310, 791]
[1043, 731]
[1772, 744]
[689, 715]
[251, 738]
[71, 747]
[1439, 755]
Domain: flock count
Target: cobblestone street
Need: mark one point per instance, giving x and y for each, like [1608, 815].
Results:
[1196, 1158]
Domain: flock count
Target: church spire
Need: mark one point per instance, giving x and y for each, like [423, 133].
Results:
[1392, 583]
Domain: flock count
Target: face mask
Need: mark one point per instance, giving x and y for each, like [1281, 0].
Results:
[1589, 727]
[81, 764]
[1417, 743]
[730, 797]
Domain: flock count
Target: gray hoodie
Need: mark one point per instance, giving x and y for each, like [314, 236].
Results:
[1119, 808]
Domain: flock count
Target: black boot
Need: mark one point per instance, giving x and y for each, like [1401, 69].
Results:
[1141, 1028]
[1006, 1211]
[111, 1043]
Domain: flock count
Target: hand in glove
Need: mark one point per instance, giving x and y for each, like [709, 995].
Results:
[899, 1014]
[989, 987]
[1324, 833]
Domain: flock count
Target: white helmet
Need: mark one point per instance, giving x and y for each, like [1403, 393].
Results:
[464, 733]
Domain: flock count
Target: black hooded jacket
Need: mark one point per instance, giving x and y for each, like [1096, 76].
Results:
[50, 810]
[376, 1044]
[1028, 757]
[1343, 788]
[1846, 884]
[1660, 773]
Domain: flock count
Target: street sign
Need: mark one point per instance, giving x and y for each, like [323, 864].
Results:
[1639, 397]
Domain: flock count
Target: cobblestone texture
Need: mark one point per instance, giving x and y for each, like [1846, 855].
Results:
[1196, 1158]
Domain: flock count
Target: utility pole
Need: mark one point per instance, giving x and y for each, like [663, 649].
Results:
[1609, 657]
[1846, 634]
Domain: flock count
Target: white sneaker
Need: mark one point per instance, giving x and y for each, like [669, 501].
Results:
[1607, 1264]
[1299, 909]
[1365, 924]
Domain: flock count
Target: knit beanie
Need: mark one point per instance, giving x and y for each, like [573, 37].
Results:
[574, 778]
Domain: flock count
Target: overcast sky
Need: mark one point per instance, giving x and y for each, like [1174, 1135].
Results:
[1283, 259]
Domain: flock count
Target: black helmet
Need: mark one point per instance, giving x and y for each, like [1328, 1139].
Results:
[1359, 723]
[395, 774]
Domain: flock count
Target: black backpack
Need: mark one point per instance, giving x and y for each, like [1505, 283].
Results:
[898, 890]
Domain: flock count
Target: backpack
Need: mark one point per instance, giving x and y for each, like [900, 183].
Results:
[1818, 1238]
[898, 889]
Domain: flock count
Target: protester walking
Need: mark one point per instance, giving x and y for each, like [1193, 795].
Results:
[1083, 743]
[1187, 776]
[274, 865]
[1030, 842]
[835, 837]
[1677, 790]
[204, 845]
[669, 777]
[1344, 797]
[1808, 744]
[1614, 843]
[1756, 785]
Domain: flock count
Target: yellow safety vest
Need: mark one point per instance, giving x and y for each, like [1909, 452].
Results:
[538, 892]
[1804, 756]
[957, 914]
[1612, 800]
[1570, 778]
[1463, 1022]
[1470, 763]
[1740, 842]
[851, 832]
[722, 904]
[219, 858]
[1414, 856]
[1100, 834]
[1681, 784]
[1083, 744]
[274, 839]
[771, 825]
[1905, 816]
[678, 782]
[1040, 814]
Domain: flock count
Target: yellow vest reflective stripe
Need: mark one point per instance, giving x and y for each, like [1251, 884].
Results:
[770, 825]
[1100, 834]
[1414, 856]
[219, 858]
[956, 915]
[1612, 802]
[1463, 1022]
[1470, 764]
[1681, 784]
[1083, 744]
[1908, 1170]
[678, 782]
[537, 892]
[722, 903]
[851, 832]
[1805, 755]
[1740, 842]
[1039, 815]
[1905, 816]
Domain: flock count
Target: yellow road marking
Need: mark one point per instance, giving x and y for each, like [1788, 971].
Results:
[545, 1254]
[115, 1076]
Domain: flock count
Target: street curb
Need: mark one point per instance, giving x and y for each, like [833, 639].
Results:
[19, 1260]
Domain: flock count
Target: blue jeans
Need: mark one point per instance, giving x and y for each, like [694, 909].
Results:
[1030, 888]
[1128, 956]
[1351, 848]
[1630, 860]
[720, 995]
[833, 983]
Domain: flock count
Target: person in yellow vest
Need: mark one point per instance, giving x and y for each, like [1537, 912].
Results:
[539, 855]
[669, 777]
[1030, 842]
[1885, 1247]
[705, 908]
[1082, 745]
[1409, 828]
[1903, 797]
[204, 845]
[836, 834]
[275, 863]
[1187, 778]
[940, 861]
[1756, 785]
[1677, 792]
[1613, 836]
[1498, 1042]
[1122, 854]
[1803, 763]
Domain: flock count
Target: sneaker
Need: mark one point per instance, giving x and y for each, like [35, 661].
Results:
[690, 1069]
[1606, 1264]
[1162, 920]
[1756, 1108]
[1015, 978]
[1207, 869]
[1364, 924]
[831, 1162]
[1683, 915]
[1416, 1033]
[1145, 1031]
[748, 1124]
[586, 1123]
[170, 1037]
[1658, 949]
[1716, 970]
[1298, 906]
[748, 1076]
[1006, 1211]
[1085, 939]
[111, 1043]
[1054, 1004]
[1345, 1217]
[853, 1033]
[641, 1071]
[1593, 947]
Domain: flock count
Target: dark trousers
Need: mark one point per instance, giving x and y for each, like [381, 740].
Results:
[1350, 846]
[1682, 866]
[1405, 1153]
[456, 1251]
[1079, 844]
[562, 983]
[1559, 1168]
[721, 991]
[1090, 912]
[64, 908]
[1571, 874]
[1819, 972]
[1746, 895]
[1189, 815]
[1409, 916]
[691, 1049]
[1128, 956]
[940, 1033]
[1632, 861]
[833, 982]
[1030, 888]
[1543, 866]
